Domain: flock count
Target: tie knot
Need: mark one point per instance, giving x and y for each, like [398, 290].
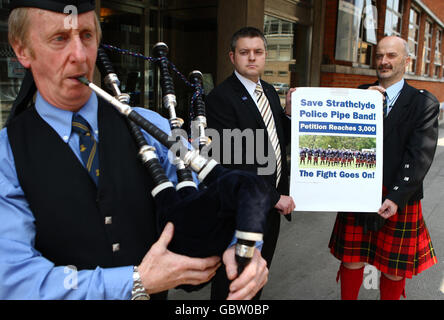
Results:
[258, 89]
[80, 125]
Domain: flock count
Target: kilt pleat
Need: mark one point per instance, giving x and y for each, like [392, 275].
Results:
[402, 247]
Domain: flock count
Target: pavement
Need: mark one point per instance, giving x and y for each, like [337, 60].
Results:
[304, 269]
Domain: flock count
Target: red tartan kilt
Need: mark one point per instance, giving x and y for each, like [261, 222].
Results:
[402, 247]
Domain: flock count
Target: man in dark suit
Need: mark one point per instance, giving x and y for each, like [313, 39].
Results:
[395, 240]
[245, 102]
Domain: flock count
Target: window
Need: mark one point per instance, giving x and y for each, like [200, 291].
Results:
[427, 49]
[274, 27]
[285, 52]
[286, 27]
[279, 52]
[180, 24]
[367, 34]
[413, 39]
[393, 18]
[356, 31]
[280, 35]
[121, 27]
[277, 26]
[438, 54]
[11, 71]
[272, 51]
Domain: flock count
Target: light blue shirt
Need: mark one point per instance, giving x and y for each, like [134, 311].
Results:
[393, 93]
[24, 272]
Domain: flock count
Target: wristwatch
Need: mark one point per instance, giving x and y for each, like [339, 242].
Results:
[138, 292]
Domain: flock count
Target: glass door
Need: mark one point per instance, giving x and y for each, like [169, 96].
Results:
[11, 71]
[189, 28]
[124, 26]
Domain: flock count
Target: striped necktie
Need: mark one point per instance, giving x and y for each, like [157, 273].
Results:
[267, 115]
[384, 104]
[88, 146]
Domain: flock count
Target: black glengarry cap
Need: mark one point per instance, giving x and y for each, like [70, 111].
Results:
[54, 5]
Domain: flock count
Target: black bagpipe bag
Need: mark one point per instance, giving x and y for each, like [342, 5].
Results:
[205, 220]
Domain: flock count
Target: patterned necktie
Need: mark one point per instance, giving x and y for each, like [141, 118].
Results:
[384, 104]
[267, 115]
[88, 146]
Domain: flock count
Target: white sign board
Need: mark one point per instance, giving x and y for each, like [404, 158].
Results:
[336, 161]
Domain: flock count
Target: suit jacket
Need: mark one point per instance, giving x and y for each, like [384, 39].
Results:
[410, 138]
[230, 106]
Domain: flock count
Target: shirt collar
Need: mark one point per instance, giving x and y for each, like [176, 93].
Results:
[394, 89]
[61, 120]
[248, 84]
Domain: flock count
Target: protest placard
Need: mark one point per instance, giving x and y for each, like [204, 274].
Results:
[336, 160]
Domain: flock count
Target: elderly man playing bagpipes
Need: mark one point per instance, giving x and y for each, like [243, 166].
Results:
[74, 197]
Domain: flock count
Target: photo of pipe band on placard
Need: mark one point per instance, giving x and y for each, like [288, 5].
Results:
[336, 149]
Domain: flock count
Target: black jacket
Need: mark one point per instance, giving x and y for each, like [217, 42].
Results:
[230, 106]
[410, 138]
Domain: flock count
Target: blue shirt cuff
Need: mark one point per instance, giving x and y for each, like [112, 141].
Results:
[118, 282]
[258, 244]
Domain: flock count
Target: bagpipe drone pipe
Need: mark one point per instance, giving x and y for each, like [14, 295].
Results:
[226, 202]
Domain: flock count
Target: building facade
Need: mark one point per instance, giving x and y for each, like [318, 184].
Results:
[352, 29]
[310, 43]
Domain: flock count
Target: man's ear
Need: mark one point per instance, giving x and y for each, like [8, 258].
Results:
[407, 61]
[23, 53]
[231, 54]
